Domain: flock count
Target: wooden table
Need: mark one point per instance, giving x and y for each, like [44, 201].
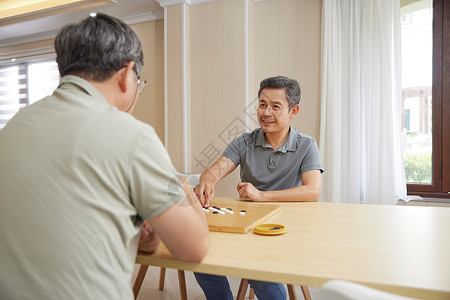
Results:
[399, 249]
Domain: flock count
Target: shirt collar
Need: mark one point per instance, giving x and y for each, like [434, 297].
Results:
[260, 140]
[290, 144]
[85, 86]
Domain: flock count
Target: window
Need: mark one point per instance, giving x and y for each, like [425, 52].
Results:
[25, 83]
[407, 119]
[426, 98]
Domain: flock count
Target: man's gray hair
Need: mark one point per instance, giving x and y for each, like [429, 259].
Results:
[291, 87]
[97, 47]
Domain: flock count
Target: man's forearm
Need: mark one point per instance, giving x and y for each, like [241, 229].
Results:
[298, 194]
[215, 173]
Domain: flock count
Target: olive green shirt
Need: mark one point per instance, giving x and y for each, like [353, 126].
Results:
[77, 177]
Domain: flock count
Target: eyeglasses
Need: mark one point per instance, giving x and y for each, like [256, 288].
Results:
[141, 83]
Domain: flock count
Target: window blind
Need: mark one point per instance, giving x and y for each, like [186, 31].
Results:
[24, 83]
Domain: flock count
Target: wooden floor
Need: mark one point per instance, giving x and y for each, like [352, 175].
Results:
[149, 289]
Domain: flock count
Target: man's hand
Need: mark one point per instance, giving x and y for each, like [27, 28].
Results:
[212, 176]
[149, 240]
[204, 192]
[246, 190]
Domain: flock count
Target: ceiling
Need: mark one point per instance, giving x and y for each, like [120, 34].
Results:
[130, 11]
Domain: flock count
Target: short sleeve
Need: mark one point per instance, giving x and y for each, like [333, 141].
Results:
[233, 150]
[154, 185]
[311, 160]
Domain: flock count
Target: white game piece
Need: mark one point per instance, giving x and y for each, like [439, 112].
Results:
[242, 213]
[230, 211]
[223, 208]
[221, 212]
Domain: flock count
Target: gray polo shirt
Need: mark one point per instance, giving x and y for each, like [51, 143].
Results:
[270, 170]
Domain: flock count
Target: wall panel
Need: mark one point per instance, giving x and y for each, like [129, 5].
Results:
[174, 82]
[150, 107]
[217, 83]
[266, 49]
[287, 42]
[299, 57]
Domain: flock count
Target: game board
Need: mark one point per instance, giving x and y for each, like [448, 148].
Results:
[256, 213]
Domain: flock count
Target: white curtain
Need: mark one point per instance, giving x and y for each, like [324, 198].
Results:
[360, 132]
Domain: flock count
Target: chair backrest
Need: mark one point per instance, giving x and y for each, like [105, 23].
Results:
[193, 179]
[344, 290]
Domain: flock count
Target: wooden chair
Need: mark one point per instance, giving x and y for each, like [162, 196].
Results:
[162, 274]
[193, 181]
[243, 286]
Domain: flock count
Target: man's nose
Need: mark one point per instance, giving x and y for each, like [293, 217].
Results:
[267, 111]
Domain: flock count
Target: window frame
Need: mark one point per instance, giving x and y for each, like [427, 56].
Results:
[440, 186]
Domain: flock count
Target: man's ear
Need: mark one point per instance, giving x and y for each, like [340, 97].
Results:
[125, 76]
[294, 111]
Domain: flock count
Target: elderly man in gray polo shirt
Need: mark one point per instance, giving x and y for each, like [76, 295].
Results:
[278, 163]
